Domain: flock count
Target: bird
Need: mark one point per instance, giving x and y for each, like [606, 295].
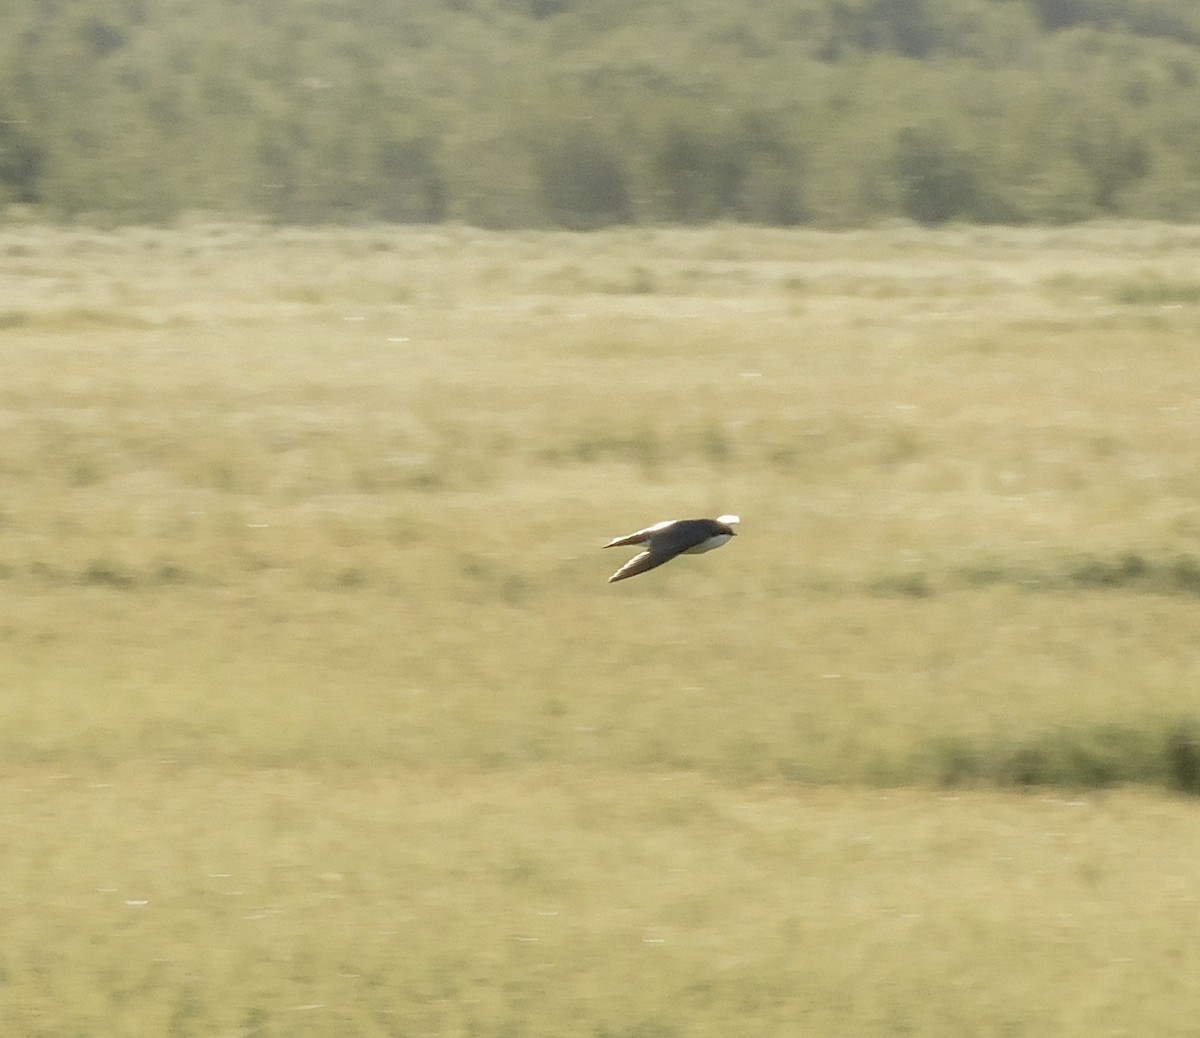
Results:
[663, 541]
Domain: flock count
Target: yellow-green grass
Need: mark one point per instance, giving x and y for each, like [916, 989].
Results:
[382, 901]
[305, 639]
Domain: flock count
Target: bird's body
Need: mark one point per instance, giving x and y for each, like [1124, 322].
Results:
[663, 541]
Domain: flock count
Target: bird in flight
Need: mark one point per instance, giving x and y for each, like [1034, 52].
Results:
[663, 541]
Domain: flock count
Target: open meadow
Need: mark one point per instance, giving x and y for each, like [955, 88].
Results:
[318, 716]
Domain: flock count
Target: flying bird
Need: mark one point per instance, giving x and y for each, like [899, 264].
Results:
[663, 541]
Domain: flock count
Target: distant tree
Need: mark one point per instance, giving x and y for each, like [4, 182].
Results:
[906, 26]
[582, 182]
[410, 187]
[934, 177]
[22, 163]
[696, 174]
[901, 26]
[1058, 14]
[1112, 156]
[741, 168]
[102, 35]
[509, 113]
[279, 193]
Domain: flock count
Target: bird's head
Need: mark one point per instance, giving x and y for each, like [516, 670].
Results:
[731, 521]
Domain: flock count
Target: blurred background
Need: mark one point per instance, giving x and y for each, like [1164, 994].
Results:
[336, 338]
[585, 113]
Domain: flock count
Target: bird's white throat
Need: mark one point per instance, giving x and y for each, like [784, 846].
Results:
[715, 541]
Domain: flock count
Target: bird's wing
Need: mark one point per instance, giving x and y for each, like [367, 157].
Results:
[642, 536]
[680, 536]
[640, 563]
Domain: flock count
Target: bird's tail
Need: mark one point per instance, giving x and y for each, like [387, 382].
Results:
[633, 538]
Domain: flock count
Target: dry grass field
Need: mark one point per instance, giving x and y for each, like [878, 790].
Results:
[319, 717]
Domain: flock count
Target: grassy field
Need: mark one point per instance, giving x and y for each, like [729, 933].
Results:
[319, 718]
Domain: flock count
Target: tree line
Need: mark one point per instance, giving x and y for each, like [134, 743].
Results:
[584, 113]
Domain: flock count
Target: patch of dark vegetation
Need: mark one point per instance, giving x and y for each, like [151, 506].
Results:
[983, 576]
[85, 473]
[170, 574]
[1166, 755]
[427, 479]
[92, 317]
[715, 444]
[1185, 574]
[1157, 293]
[638, 282]
[102, 573]
[1180, 575]
[1085, 758]
[1129, 571]
[351, 579]
[905, 585]
[1183, 758]
[44, 573]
